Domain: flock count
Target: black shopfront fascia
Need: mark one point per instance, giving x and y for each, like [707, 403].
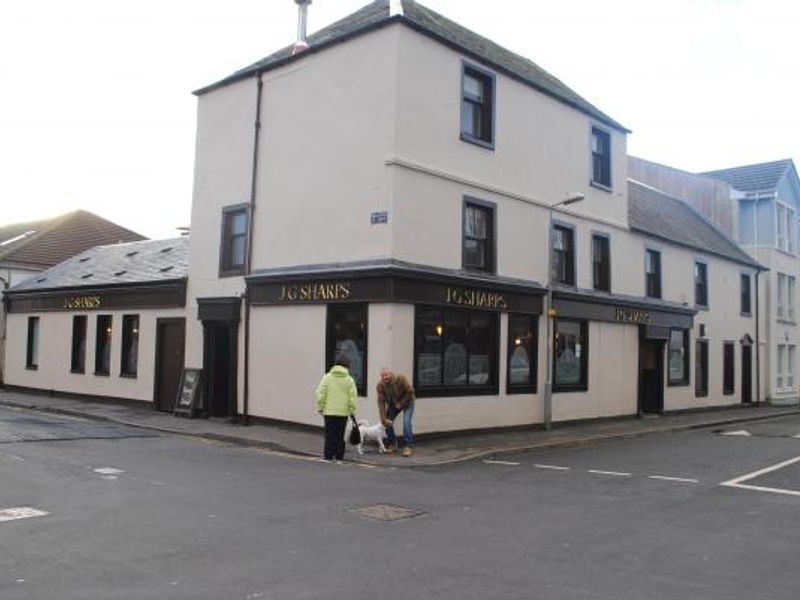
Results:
[452, 293]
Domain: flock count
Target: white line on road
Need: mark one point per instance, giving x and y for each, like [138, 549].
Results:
[677, 479]
[501, 462]
[740, 432]
[737, 482]
[20, 512]
[552, 467]
[614, 473]
[108, 471]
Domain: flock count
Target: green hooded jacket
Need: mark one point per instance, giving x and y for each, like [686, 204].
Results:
[336, 393]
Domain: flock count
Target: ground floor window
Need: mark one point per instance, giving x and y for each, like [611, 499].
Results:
[701, 369]
[679, 357]
[102, 346]
[728, 384]
[78, 358]
[785, 366]
[347, 334]
[791, 357]
[522, 354]
[571, 356]
[32, 350]
[130, 345]
[455, 351]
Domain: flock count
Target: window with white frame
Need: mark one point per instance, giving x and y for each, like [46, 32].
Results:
[781, 295]
[790, 230]
[790, 291]
[790, 356]
[787, 229]
[781, 360]
[781, 218]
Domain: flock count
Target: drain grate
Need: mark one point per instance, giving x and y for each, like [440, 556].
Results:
[386, 512]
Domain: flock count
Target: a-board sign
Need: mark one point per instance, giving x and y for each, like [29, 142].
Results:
[188, 393]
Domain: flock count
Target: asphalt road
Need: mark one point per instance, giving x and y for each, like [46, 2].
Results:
[132, 517]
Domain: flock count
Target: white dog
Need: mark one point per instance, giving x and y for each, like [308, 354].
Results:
[371, 433]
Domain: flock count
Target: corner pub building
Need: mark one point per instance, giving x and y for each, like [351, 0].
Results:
[397, 192]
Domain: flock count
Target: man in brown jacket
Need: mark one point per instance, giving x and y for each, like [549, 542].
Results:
[396, 395]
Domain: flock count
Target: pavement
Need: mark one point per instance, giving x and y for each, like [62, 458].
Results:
[432, 450]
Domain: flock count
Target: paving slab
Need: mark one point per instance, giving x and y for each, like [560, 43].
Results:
[431, 450]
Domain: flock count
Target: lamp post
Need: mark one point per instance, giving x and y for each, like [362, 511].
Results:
[550, 312]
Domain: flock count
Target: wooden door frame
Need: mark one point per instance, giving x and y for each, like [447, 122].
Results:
[160, 321]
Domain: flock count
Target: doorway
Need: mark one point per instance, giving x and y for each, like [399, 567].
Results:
[220, 348]
[747, 373]
[170, 339]
[651, 376]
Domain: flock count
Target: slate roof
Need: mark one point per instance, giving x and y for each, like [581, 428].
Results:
[150, 261]
[753, 178]
[44, 243]
[438, 27]
[654, 213]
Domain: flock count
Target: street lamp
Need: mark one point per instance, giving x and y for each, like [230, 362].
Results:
[550, 312]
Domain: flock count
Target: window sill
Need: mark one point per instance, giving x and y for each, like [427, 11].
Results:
[456, 391]
[701, 394]
[465, 137]
[128, 375]
[728, 393]
[223, 274]
[78, 371]
[601, 186]
[101, 373]
[677, 383]
[649, 297]
[32, 367]
[569, 389]
[747, 315]
[786, 321]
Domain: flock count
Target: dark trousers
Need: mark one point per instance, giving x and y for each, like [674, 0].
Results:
[334, 437]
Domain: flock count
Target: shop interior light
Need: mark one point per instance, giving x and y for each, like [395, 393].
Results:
[439, 330]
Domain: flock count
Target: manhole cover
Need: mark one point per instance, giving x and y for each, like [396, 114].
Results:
[387, 512]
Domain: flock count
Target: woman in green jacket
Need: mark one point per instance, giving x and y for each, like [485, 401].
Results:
[336, 400]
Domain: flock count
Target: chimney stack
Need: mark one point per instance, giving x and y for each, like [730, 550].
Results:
[302, 19]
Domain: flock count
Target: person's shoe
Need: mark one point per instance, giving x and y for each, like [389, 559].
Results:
[407, 451]
[391, 448]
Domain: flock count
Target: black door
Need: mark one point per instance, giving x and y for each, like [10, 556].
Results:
[169, 362]
[219, 365]
[651, 366]
[747, 374]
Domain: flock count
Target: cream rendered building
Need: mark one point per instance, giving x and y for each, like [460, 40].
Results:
[388, 193]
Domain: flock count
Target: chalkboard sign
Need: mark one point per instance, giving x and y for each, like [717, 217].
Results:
[188, 392]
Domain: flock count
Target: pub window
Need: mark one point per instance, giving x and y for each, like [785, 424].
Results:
[728, 368]
[32, 349]
[746, 302]
[347, 334]
[130, 346]
[652, 273]
[701, 368]
[571, 352]
[563, 256]
[601, 157]
[102, 346]
[78, 360]
[679, 357]
[701, 284]
[477, 107]
[601, 263]
[521, 354]
[456, 351]
[478, 237]
[233, 246]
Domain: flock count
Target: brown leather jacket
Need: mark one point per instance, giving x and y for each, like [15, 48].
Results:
[398, 392]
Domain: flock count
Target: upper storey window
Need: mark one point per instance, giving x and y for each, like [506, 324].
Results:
[233, 250]
[786, 228]
[601, 158]
[477, 107]
[478, 236]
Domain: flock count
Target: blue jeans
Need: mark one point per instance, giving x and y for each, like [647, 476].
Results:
[408, 430]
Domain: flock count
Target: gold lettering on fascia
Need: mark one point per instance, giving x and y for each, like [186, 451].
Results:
[82, 303]
[630, 315]
[475, 298]
[315, 292]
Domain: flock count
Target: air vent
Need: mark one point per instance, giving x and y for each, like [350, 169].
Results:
[87, 275]
[165, 269]
[41, 279]
[84, 259]
[165, 250]
[134, 253]
[118, 273]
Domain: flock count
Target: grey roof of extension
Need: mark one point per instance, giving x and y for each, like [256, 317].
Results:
[153, 261]
[753, 178]
[659, 215]
[443, 30]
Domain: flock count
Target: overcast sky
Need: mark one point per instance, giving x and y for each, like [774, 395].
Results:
[96, 110]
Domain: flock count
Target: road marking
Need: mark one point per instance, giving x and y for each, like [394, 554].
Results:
[738, 481]
[677, 479]
[614, 473]
[501, 462]
[740, 432]
[552, 467]
[108, 471]
[20, 512]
